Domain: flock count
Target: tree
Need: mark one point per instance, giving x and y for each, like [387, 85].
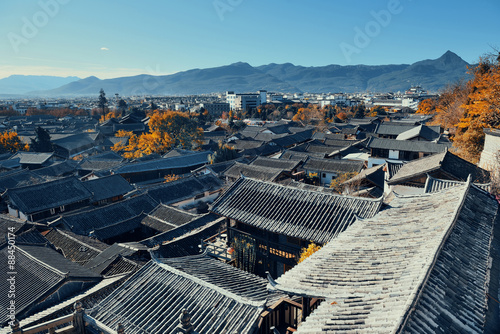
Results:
[360, 111]
[122, 106]
[10, 142]
[41, 142]
[427, 106]
[166, 130]
[102, 102]
[310, 250]
[338, 183]
[466, 108]
[223, 153]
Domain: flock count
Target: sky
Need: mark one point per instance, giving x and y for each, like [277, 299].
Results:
[114, 38]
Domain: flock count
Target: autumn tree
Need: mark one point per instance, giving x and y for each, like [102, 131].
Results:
[310, 250]
[11, 143]
[427, 106]
[166, 130]
[481, 109]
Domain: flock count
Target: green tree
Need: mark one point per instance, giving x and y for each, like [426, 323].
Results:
[41, 142]
[102, 102]
[122, 106]
[223, 153]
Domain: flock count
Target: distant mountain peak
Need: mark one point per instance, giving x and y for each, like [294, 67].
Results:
[450, 57]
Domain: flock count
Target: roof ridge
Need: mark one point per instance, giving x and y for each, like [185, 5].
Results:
[420, 287]
[46, 265]
[208, 285]
[75, 239]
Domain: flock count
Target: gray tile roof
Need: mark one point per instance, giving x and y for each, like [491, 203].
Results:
[32, 158]
[108, 187]
[182, 189]
[165, 218]
[74, 247]
[225, 276]
[393, 129]
[33, 281]
[152, 299]
[287, 165]
[426, 132]
[55, 193]
[333, 165]
[184, 239]
[110, 215]
[18, 178]
[57, 169]
[253, 171]
[407, 145]
[181, 161]
[304, 214]
[448, 163]
[420, 266]
[105, 258]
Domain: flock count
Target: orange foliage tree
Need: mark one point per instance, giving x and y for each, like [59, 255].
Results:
[427, 106]
[10, 142]
[482, 109]
[166, 130]
[310, 250]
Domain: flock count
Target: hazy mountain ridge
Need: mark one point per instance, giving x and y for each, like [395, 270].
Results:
[242, 77]
[22, 84]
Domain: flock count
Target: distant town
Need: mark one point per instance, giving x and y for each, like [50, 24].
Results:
[253, 212]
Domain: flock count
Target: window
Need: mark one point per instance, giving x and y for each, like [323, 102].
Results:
[53, 211]
[62, 208]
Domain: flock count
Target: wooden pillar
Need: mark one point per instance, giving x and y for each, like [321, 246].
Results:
[305, 308]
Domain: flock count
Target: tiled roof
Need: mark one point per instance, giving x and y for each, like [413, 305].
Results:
[18, 178]
[428, 133]
[184, 239]
[164, 218]
[104, 259]
[55, 193]
[32, 158]
[225, 276]
[182, 189]
[420, 266]
[287, 165]
[75, 141]
[94, 165]
[73, 247]
[110, 215]
[393, 129]
[33, 281]
[253, 171]
[374, 175]
[308, 215]
[333, 165]
[64, 168]
[108, 187]
[152, 299]
[190, 160]
[53, 259]
[454, 166]
[407, 145]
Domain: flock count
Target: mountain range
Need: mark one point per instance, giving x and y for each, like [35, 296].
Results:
[241, 77]
[23, 84]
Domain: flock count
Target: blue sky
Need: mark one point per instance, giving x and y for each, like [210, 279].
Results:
[122, 38]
